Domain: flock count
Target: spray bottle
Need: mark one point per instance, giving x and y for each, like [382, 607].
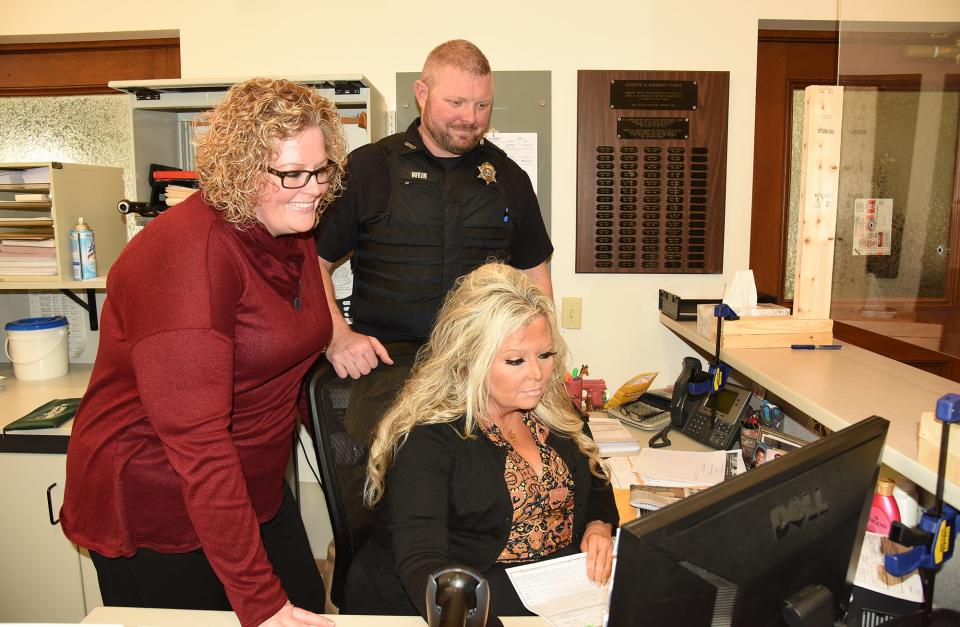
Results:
[83, 251]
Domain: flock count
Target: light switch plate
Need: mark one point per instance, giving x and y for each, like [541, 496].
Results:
[570, 310]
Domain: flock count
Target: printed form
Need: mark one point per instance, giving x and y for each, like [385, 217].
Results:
[558, 591]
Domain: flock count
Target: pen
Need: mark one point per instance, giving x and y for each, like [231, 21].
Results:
[810, 347]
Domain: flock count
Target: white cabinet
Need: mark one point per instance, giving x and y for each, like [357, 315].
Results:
[41, 578]
[163, 112]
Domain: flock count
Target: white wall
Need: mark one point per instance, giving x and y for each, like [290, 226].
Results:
[621, 334]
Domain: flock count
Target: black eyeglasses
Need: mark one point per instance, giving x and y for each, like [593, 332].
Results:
[295, 179]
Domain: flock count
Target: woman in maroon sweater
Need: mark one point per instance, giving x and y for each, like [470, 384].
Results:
[175, 470]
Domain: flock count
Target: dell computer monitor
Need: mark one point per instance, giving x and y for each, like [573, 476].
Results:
[736, 553]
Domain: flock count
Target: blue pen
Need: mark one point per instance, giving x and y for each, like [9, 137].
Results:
[810, 347]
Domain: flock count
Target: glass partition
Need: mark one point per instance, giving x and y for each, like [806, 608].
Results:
[896, 251]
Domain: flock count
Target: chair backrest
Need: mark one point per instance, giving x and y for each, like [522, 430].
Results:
[341, 438]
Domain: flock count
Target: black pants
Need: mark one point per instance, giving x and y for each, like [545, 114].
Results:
[187, 581]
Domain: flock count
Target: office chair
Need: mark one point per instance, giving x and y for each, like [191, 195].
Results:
[341, 440]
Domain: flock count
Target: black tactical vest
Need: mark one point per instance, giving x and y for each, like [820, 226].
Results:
[439, 224]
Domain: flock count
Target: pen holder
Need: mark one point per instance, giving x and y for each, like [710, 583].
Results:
[575, 390]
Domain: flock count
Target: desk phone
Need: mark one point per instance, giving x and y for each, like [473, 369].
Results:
[732, 404]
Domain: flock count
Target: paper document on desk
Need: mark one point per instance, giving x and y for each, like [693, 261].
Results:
[687, 468]
[873, 576]
[611, 436]
[622, 472]
[558, 591]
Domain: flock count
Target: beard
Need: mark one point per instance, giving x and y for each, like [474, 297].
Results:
[444, 138]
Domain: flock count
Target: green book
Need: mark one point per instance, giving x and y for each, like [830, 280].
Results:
[47, 416]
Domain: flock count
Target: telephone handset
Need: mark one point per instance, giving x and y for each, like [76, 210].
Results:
[681, 403]
[712, 419]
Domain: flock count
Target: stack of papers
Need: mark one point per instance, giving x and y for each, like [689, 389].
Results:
[27, 176]
[612, 437]
[662, 467]
[558, 590]
[873, 576]
[681, 469]
[27, 258]
[176, 194]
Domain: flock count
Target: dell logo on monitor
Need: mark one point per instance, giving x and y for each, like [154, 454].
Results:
[800, 509]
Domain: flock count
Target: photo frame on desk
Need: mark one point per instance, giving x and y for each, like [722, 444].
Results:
[773, 439]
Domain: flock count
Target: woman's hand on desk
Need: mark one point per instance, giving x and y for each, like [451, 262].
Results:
[290, 616]
[597, 543]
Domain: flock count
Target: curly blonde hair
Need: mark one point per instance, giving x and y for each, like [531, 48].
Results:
[449, 379]
[240, 142]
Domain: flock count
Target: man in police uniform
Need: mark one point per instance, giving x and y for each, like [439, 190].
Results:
[425, 207]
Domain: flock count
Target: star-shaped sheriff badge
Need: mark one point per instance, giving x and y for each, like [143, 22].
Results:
[487, 172]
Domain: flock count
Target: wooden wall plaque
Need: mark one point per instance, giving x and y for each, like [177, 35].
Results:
[651, 171]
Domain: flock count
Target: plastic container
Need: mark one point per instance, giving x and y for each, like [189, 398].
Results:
[83, 251]
[883, 511]
[905, 494]
[37, 347]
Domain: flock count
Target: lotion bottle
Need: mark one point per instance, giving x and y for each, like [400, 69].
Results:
[883, 511]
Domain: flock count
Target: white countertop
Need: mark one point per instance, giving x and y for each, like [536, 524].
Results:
[134, 617]
[841, 387]
[18, 398]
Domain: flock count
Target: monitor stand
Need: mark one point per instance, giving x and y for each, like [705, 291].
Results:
[811, 607]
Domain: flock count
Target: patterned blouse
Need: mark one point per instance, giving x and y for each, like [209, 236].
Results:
[542, 506]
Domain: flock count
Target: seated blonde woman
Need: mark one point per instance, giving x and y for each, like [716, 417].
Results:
[482, 461]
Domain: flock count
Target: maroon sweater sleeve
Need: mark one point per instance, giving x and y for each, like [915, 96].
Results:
[182, 356]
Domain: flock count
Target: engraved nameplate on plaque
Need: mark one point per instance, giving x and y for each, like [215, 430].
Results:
[653, 128]
[646, 94]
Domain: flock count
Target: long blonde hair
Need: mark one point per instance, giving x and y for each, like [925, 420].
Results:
[449, 379]
[240, 142]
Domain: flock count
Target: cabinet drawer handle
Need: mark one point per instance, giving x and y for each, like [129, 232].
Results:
[50, 505]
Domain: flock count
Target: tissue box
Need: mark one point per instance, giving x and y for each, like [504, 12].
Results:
[768, 326]
[928, 453]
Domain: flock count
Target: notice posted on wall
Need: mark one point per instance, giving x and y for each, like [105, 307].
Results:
[872, 226]
[522, 148]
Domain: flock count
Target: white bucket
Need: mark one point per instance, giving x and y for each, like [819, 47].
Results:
[37, 347]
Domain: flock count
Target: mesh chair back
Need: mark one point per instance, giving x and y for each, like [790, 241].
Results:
[341, 437]
[343, 464]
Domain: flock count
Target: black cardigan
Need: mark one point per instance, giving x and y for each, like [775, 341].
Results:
[446, 502]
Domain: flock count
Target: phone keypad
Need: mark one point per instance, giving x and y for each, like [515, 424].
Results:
[698, 428]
